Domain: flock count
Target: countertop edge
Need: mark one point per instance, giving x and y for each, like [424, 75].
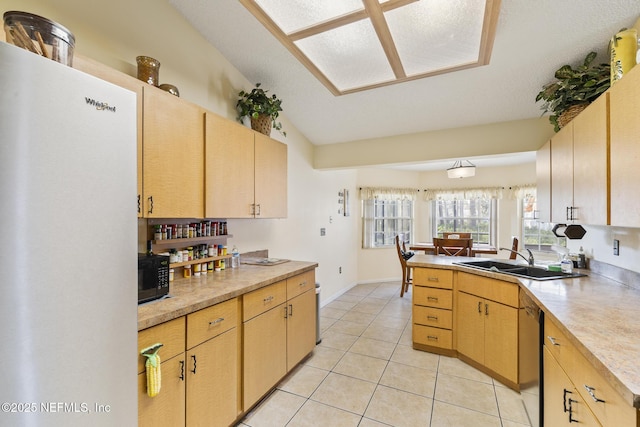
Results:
[206, 291]
[431, 261]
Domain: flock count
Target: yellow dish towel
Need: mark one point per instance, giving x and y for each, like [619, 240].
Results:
[153, 371]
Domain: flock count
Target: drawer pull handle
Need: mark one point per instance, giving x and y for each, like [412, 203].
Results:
[303, 283]
[182, 370]
[433, 279]
[486, 309]
[552, 340]
[480, 307]
[268, 299]
[215, 322]
[193, 356]
[432, 338]
[591, 390]
[432, 299]
[432, 318]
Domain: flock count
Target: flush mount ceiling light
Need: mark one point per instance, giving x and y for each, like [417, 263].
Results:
[461, 170]
[354, 45]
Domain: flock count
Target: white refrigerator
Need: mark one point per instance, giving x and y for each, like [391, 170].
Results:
[68, 242]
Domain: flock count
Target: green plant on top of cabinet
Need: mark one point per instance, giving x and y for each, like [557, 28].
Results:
[246, 172]
[173, 151]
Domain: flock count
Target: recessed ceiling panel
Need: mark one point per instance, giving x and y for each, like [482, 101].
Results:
[437, 34]
[353, 45]
[350, 56]
[292, 15]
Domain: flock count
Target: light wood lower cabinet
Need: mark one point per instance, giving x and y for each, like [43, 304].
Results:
[265, 353]
[433, 310]
[199, 385]
[487, 324]
[168, 407]
[588, 385]
[280, 332]
[563, 405]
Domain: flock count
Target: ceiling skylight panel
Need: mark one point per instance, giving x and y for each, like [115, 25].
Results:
[292, 15]
[436, 35]
[350, 56]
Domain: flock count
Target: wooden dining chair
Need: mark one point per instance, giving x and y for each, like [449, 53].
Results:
[453, 247]
[514, 247]
[406, 270]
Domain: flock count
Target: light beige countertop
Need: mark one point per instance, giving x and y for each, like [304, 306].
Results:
[600, 316]
[195, 293]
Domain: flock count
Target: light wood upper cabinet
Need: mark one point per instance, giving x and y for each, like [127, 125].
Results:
[625, 150]
[561, 173]
[579, 167]
[543, 182]
[271, 177]
[246, 172]
[229, 172]
[173, 153]
[590, 165]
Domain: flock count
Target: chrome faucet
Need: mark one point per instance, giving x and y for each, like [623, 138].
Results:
[530, 260]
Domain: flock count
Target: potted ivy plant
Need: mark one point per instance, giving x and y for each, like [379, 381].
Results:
[261, 108]
[574, 89]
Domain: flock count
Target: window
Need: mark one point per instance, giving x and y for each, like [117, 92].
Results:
[537, 235]
[385, 217]
[475, 216]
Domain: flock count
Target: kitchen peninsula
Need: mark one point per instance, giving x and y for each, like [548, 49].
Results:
[591, 328]
[228, 338]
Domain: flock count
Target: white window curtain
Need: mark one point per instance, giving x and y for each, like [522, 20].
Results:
[464, 193]
[521, 192]
[368, 196]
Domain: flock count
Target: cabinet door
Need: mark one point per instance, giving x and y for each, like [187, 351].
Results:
[167, 408]
[562, 403]
[543, 182]
[173, 157]
[590, 166]
[501, 339]
[271, 177]
[561, 173]
[212, 390]
[301, 327]
[470, 326]
[229, 169]
[625, 150]
[265, 353]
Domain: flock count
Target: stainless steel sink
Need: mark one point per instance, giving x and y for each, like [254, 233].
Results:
[519, 270]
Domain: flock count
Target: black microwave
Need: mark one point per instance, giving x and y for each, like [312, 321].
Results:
[153, 277]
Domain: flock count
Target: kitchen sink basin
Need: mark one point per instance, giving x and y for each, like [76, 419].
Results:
[519, 270]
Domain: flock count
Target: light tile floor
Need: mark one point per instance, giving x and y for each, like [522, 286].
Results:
[365, 373]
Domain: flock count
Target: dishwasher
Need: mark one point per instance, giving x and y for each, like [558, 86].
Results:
[530, 340]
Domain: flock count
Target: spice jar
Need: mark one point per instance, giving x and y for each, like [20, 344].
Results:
[187, 271]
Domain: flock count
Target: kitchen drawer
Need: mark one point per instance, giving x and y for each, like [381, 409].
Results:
[263, 299]
[170, 334]
[301, 283]
[435, 317]
[431, 297]
[433, 277]
[435, 337]
[607, 405]
[492, 289]
[211, 321]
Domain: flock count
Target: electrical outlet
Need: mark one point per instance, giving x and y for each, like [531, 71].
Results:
[616, 247]
[339, 270]
[323, 231]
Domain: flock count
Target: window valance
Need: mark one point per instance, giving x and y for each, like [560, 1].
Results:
[387, 193]
[521, 192]
[463, 193]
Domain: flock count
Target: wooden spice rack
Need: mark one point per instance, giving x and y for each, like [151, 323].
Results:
[189, 242]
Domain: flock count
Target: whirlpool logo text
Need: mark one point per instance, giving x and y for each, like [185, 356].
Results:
[100, 105]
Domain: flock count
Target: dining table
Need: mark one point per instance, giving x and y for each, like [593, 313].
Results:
[477, 249]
